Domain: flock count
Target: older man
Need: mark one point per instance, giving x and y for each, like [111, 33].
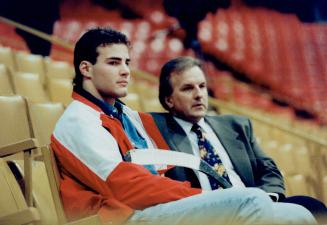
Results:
[226, 142]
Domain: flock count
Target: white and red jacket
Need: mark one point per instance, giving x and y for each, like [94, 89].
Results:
[89, 145]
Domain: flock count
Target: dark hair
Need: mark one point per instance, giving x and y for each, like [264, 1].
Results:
[86, 47]
[176, 66]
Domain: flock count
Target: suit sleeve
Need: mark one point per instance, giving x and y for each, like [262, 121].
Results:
[266, 174]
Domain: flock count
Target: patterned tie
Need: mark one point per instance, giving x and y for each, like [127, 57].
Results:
[210, 155]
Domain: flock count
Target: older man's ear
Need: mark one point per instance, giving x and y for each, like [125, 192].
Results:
[169, 102]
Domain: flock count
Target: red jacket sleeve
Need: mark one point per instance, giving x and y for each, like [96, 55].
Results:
[80, 202]
[138, 188]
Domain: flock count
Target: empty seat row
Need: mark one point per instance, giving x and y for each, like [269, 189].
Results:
[29, 85]
[272, 49]
[25, 62]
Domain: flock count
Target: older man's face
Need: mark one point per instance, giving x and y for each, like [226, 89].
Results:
[189, 99]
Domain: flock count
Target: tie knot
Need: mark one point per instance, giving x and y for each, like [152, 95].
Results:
[197, 130]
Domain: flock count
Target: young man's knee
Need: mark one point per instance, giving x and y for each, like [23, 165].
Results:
[258, 194]
[243, 196]
[257, 198]
[254, 194]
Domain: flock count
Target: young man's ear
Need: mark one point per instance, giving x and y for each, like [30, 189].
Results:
[86, 69]
[169, 102]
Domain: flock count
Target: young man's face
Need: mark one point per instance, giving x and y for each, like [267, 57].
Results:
[110, 74]
[189, 99]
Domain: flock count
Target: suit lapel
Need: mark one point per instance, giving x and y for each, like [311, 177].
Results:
[177, 140]
[172, 133]
[177, 136]
[234, 148]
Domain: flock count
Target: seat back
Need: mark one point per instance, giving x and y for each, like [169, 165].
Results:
[31, 64]
[46, 195]
[14, 120]
[53, 175]
[5, 84]
[30, 86]
[7, 58]
[13, 208]
[44, 117]
[58, 69]
[298, 185]
[152, 105]
[11, 197]
[42, 196]
[60, 90]
[133, 101]
[15, 128]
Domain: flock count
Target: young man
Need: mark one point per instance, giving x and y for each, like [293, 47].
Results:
[96, 130]
[233, 151]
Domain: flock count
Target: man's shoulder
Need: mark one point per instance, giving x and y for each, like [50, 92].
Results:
[159, 114]
[226, 119]
[76, 114]
[78, 109]
[229, 119]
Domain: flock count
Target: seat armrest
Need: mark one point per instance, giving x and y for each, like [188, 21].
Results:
[91, 220]
[25, 216]
[24, 145]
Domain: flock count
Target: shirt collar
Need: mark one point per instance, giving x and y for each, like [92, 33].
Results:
[187, 126]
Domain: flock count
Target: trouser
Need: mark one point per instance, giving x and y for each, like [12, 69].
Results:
[316, 207]
[229, 206]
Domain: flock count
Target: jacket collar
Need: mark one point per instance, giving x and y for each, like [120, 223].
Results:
[87, 98]
[177, 135]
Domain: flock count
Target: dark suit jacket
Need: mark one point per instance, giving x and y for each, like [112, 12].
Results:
[235, 133]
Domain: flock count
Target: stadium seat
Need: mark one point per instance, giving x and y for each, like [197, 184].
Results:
[146, 90]
[152, 105]
[53, 175]
[7, 58]
[305, 164]
[133, 101]
[271, 147]
[29, 85]
[58, 69]
[60, 90]
[47, 199]
[31, 63]
[19, 122]
[17, 136]
[14, 120]
[42, 197]
[298, 185]
[5, 82]
[44, 116]
[13, 208]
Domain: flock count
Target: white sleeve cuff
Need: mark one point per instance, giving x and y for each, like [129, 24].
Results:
[274, 196]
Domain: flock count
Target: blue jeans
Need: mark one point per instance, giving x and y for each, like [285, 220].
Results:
[228, 206]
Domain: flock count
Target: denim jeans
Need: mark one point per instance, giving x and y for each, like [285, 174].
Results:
[228, 206]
